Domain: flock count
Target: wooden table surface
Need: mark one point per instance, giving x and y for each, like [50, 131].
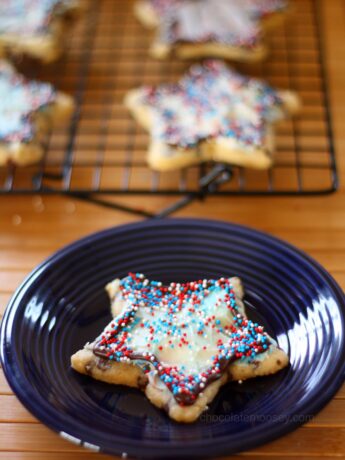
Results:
[32, 228]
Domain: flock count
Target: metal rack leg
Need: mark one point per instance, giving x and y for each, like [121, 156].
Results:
[112, 205]
[219, 175]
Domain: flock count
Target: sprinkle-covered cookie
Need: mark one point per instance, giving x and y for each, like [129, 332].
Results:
[151, 12]
[35, 27]
[179, 343]
[28, 109]
[218, 28]
[212, 113]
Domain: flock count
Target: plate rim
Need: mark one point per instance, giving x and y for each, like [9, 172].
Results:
[153, 449]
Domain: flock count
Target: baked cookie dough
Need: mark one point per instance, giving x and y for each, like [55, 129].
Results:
[179, 343]
[28, 110]
[35, 27]
[212, 114]
[229, 29]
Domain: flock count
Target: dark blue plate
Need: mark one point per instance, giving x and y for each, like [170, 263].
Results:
[62, 304]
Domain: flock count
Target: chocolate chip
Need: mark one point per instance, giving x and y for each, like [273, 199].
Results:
[103, 364]
[142, 382]
[88, 368]
[166, 407]
[256, 363]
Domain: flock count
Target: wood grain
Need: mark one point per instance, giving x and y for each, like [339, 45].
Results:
[308, 441]
[54, 456]
[31, 228]
[332, 416]
[92, 456]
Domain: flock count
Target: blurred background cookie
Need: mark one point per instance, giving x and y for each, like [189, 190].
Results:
[230, 29]
[37, 28]
[28, 110]
[212, 113]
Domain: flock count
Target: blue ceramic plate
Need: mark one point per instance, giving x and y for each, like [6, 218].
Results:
[62, 304]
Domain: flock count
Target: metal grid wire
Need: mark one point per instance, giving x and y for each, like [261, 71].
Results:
[103, 150]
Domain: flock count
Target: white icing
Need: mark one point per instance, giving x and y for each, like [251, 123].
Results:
[233, 22]
[211, 101]
[218, 19]
[193, 356]
[25, 17]
[260, 8]
[18, 99]
[187, 333]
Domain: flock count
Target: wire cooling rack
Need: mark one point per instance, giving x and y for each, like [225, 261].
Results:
[103, 150]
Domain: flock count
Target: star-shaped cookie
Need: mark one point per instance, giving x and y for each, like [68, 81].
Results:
[230, 29]
[179, 343]
[28, 109]
[35, 27]
[212, 113]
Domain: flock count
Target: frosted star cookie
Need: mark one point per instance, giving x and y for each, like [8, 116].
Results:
[151, 12]
[35, 27]
[212, 113]
[179, 343]
[230, 29]
[28, 109]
